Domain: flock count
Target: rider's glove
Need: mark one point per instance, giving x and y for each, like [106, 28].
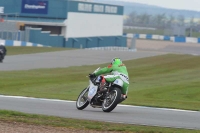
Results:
[92, 75]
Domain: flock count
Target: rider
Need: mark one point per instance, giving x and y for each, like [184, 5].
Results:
[118, 71]
[3, 52]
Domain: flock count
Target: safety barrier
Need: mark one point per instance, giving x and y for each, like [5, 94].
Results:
[151, 37]
[20, 43]
[112, 49]
[45, 38]
[181, 39]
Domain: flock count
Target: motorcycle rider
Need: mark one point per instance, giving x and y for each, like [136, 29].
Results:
[118, 71]
[2, 52]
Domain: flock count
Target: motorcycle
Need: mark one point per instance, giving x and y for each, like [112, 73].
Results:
[1, 55]
[106, 99]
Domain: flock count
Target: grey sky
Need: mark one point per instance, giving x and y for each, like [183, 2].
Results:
[175, 4]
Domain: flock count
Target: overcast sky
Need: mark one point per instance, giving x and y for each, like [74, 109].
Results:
[175, 4]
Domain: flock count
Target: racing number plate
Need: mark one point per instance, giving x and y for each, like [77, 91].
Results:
[92, 91]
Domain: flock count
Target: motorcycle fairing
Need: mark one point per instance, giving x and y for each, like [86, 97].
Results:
[118, 82]
[92, 91]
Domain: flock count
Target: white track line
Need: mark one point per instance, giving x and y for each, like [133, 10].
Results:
[57, 100]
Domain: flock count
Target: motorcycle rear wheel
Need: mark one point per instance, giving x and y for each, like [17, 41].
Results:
[82, 101]
[111, 100]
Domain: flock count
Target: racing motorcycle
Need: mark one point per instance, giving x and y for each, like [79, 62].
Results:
[106, 99]
[1, 55]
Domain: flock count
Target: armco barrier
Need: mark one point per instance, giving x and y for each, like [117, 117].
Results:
[114, 48]
[151, 37]
[20, 43]
[181, 39]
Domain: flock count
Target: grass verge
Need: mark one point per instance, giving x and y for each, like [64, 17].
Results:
[11, 116]
[170, 81]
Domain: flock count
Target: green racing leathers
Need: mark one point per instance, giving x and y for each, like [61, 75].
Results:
[118, 72]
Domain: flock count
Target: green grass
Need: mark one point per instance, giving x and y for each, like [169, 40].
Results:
[162, 81]
[10, 116]
[170, 81]
[31, 50]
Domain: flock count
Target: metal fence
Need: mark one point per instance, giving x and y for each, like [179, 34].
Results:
[10, 31]
[174, 30]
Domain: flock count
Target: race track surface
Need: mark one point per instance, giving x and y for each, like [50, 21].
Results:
[67, 58]
[121, 114]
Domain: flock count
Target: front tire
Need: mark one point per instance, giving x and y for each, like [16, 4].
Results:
[111, 100]
[82, 101]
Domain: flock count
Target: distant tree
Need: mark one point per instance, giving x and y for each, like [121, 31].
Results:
[160, 20]
[181, 20]
[170, 21]
[191, 25]
[132, 19]
[144, 19]
[192, 21]
[138, 19]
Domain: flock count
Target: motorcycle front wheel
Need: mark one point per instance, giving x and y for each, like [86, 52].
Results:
[82, 101]
[111, 100]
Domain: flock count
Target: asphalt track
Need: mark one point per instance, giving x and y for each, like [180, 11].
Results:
[122, 114]
[68, 58]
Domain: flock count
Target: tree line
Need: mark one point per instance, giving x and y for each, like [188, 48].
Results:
[157, 21]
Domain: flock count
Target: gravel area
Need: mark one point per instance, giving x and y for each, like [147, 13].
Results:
[15, 127]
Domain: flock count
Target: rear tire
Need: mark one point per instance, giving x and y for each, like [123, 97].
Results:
[111, 101]
[82, 101]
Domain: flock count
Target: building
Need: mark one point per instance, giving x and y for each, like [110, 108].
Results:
[66, 23]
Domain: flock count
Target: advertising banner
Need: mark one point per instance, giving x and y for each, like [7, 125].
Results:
[34, 6]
